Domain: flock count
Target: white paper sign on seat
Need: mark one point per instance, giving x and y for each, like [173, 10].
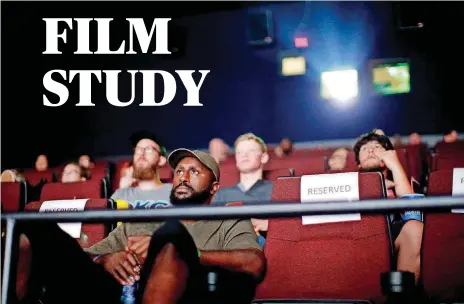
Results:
[458, 186]
[330, 188]
[73, 229]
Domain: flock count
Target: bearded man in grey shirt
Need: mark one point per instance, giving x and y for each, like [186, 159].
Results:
[149, 192]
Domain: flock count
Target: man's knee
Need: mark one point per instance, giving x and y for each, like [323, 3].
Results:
[411, 236]
[168, 252]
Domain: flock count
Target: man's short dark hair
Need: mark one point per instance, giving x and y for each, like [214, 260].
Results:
[144, 134]
[384, 141]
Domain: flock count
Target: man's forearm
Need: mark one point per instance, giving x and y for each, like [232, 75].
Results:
[251, 261]
[402, 184]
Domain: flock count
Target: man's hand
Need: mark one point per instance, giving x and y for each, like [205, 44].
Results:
[260, 224]
[400, 179]
[127, 180]
[138, 245]
[389, 158]
[121, 265]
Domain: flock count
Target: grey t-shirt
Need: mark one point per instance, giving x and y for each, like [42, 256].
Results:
[208, 235]
[145, 199]
[260, 192]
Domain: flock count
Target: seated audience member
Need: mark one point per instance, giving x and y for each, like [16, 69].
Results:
[41, 164]
[451, 137]
[150, 192]
[85, 161]
[11, 176]
[152, 262]
[218, 149]
[338, 159]
[284, 148]
[397, 141]
[375, 153]
[73, 173]
[414, 139]
[250, 156]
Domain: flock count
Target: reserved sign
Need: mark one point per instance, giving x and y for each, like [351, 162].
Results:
[330, 188]
[73, 229]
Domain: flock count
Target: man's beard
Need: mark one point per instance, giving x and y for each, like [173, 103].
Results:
[197, 198]
[144, 173]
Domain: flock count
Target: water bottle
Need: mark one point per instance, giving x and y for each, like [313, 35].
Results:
[128, 293]
[212, 280]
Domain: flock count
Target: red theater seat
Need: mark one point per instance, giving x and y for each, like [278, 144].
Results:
[13, 196]
[273, 175]
[231, 178]
[447, 161]
[444, 147]
[117, 173]
[416, 155]
[34, 177]
[101, 170]
[87, 189]
[403, 158]
[95, 232]
[326, 261]
[301, 165]
[165, 173]
[443, 245]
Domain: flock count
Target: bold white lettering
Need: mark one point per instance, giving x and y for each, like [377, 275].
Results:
[55, 87]
[83, 40]
[112, 88]
[52, 35]
[103, 33]
[193, 90]
[137, 25]
[149, 88]
[85, 85]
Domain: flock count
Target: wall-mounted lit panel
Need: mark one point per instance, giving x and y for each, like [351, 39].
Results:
[390, 76]
[341, 85]
[301, 42]
[293, 66]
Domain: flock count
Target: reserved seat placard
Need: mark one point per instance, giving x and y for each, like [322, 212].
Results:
[330, 188]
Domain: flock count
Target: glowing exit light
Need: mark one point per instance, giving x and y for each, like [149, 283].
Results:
[301, 42]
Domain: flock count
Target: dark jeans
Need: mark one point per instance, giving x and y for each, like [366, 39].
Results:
[70, 276]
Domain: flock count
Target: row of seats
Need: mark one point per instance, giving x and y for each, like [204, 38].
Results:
[326, 258]
[15, 197]
[34, 177]
[334, 260]
[417, 160]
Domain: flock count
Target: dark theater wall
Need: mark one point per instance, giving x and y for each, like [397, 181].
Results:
[243, 92]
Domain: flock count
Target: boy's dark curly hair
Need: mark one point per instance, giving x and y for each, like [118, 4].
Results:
[384, 141]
